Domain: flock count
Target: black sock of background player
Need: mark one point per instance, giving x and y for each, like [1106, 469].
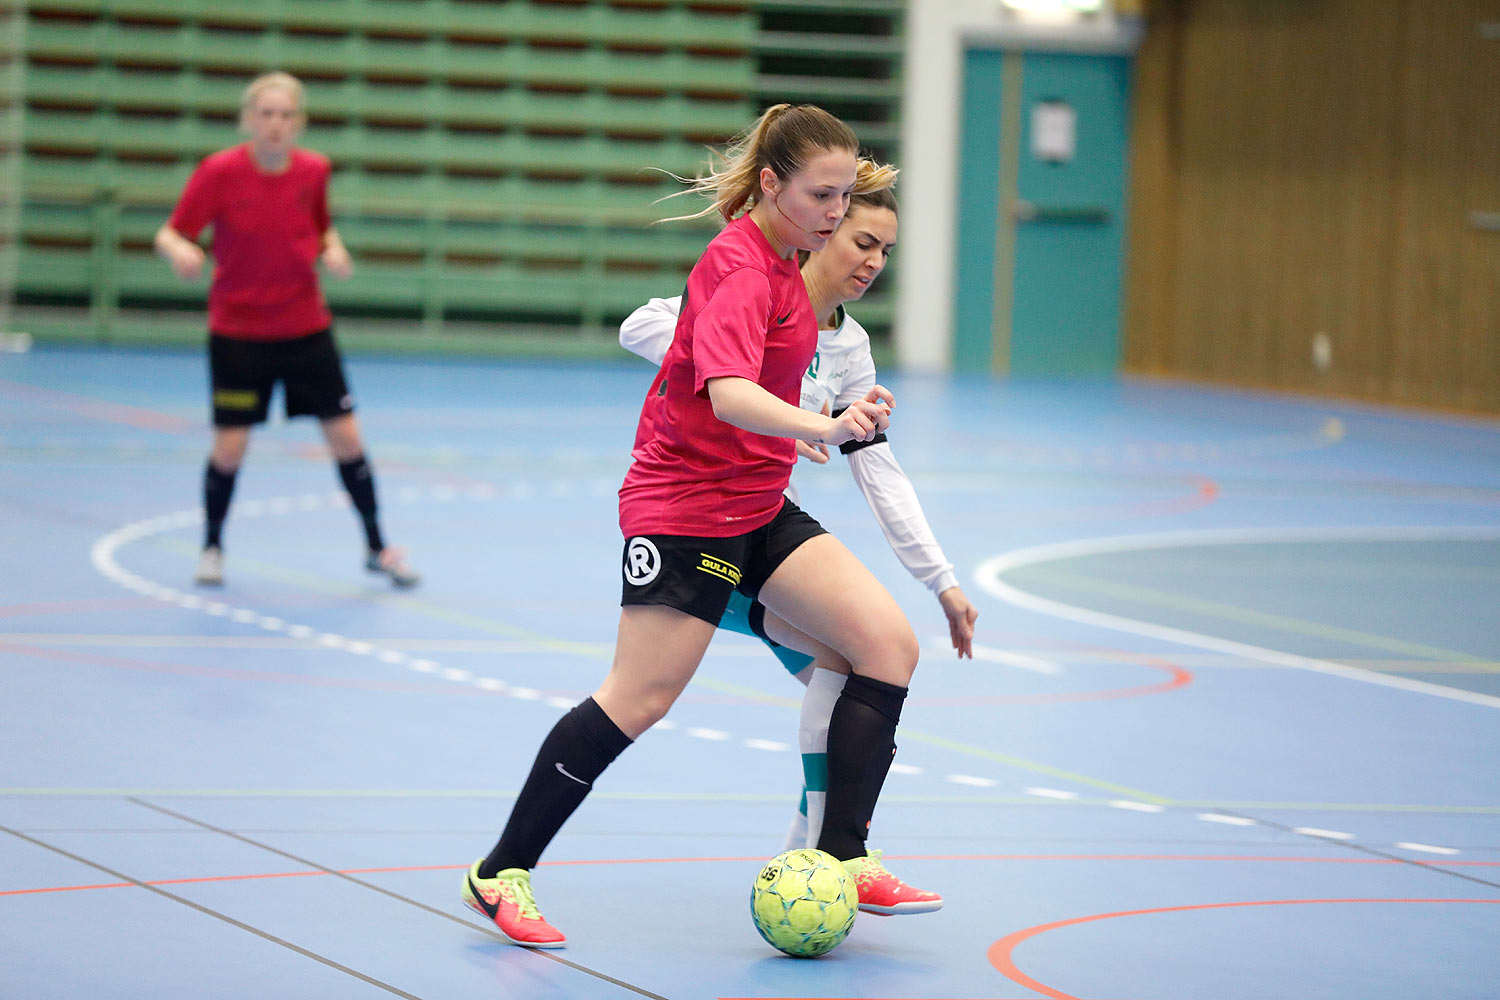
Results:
[359, 480]
[218, 488]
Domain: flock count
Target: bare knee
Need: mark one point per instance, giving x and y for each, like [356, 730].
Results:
[342, 435]
[229, 447]
[781, 632]
[635, 710]
[889, 654]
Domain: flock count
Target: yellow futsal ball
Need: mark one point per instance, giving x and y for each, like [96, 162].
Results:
[803, 902]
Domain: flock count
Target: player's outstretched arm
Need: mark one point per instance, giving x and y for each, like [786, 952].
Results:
[893, 501]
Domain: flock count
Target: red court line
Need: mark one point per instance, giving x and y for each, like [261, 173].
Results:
[1204, 492]
[75, 607]
[97, 409]
[758, 860]
[1177, 677]
[226, 673]
[1000, 953]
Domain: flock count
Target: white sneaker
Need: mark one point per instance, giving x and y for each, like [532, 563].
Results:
[210, 571]
[391, 562]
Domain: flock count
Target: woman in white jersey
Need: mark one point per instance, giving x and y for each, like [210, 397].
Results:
[842, 371]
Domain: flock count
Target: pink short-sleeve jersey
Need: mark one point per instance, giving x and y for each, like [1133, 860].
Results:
[268, 233]
[745, 313]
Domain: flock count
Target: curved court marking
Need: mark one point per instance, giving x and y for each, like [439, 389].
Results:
[990, 572]
[103, 557]
[1000, 953]
[104, 561]
[1177, 677]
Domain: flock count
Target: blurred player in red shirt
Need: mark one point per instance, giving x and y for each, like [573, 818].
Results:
[267, 202]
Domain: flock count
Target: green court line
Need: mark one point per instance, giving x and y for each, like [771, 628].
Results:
[1338, 807]
[1029, 765]
[469, 793]
[1424, 666]
[1225, 612]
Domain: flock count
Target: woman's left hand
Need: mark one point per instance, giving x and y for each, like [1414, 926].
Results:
[337, 262]
[812, 452]
[961, 617]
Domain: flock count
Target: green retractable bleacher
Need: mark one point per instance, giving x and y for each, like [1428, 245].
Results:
[498, 163]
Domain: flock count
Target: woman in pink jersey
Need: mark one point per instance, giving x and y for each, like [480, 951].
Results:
[841, 372]
[704, 514]
[267, 202]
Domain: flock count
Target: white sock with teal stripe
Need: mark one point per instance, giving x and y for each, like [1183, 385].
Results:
[796, 834]
[812, 736]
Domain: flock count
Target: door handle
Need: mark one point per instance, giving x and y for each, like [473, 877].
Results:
[1025, 211]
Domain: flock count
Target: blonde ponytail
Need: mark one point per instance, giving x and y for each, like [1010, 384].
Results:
[783, 138]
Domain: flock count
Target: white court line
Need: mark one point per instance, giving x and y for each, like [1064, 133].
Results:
[104, 561]
[1052, 793]
[1227, 820]
[971, 780]
[1407, 845]
[988, 577]
[1312, 831]
[1133, 806]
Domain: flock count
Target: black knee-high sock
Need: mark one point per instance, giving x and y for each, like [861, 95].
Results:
[218, 488]
[582, 744]
[861, 744]
[359, 480]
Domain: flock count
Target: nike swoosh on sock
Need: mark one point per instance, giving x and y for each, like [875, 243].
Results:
[564, 772]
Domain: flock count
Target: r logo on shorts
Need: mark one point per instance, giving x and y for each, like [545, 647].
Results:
[642, 562]
[696, 575]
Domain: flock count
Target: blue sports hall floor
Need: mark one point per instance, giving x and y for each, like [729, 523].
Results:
[1231, 732]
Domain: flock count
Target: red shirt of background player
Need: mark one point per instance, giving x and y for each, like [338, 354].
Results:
[268, 233]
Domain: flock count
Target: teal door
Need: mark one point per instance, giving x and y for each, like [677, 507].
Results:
[1041, 213]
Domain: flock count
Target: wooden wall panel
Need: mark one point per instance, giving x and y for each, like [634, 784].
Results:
[1306, 168]
[1447, 343]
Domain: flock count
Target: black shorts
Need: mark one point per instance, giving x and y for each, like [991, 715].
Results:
[696, 575]
[243, 373]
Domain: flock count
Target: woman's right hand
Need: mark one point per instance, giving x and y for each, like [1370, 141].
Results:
[863, 419]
